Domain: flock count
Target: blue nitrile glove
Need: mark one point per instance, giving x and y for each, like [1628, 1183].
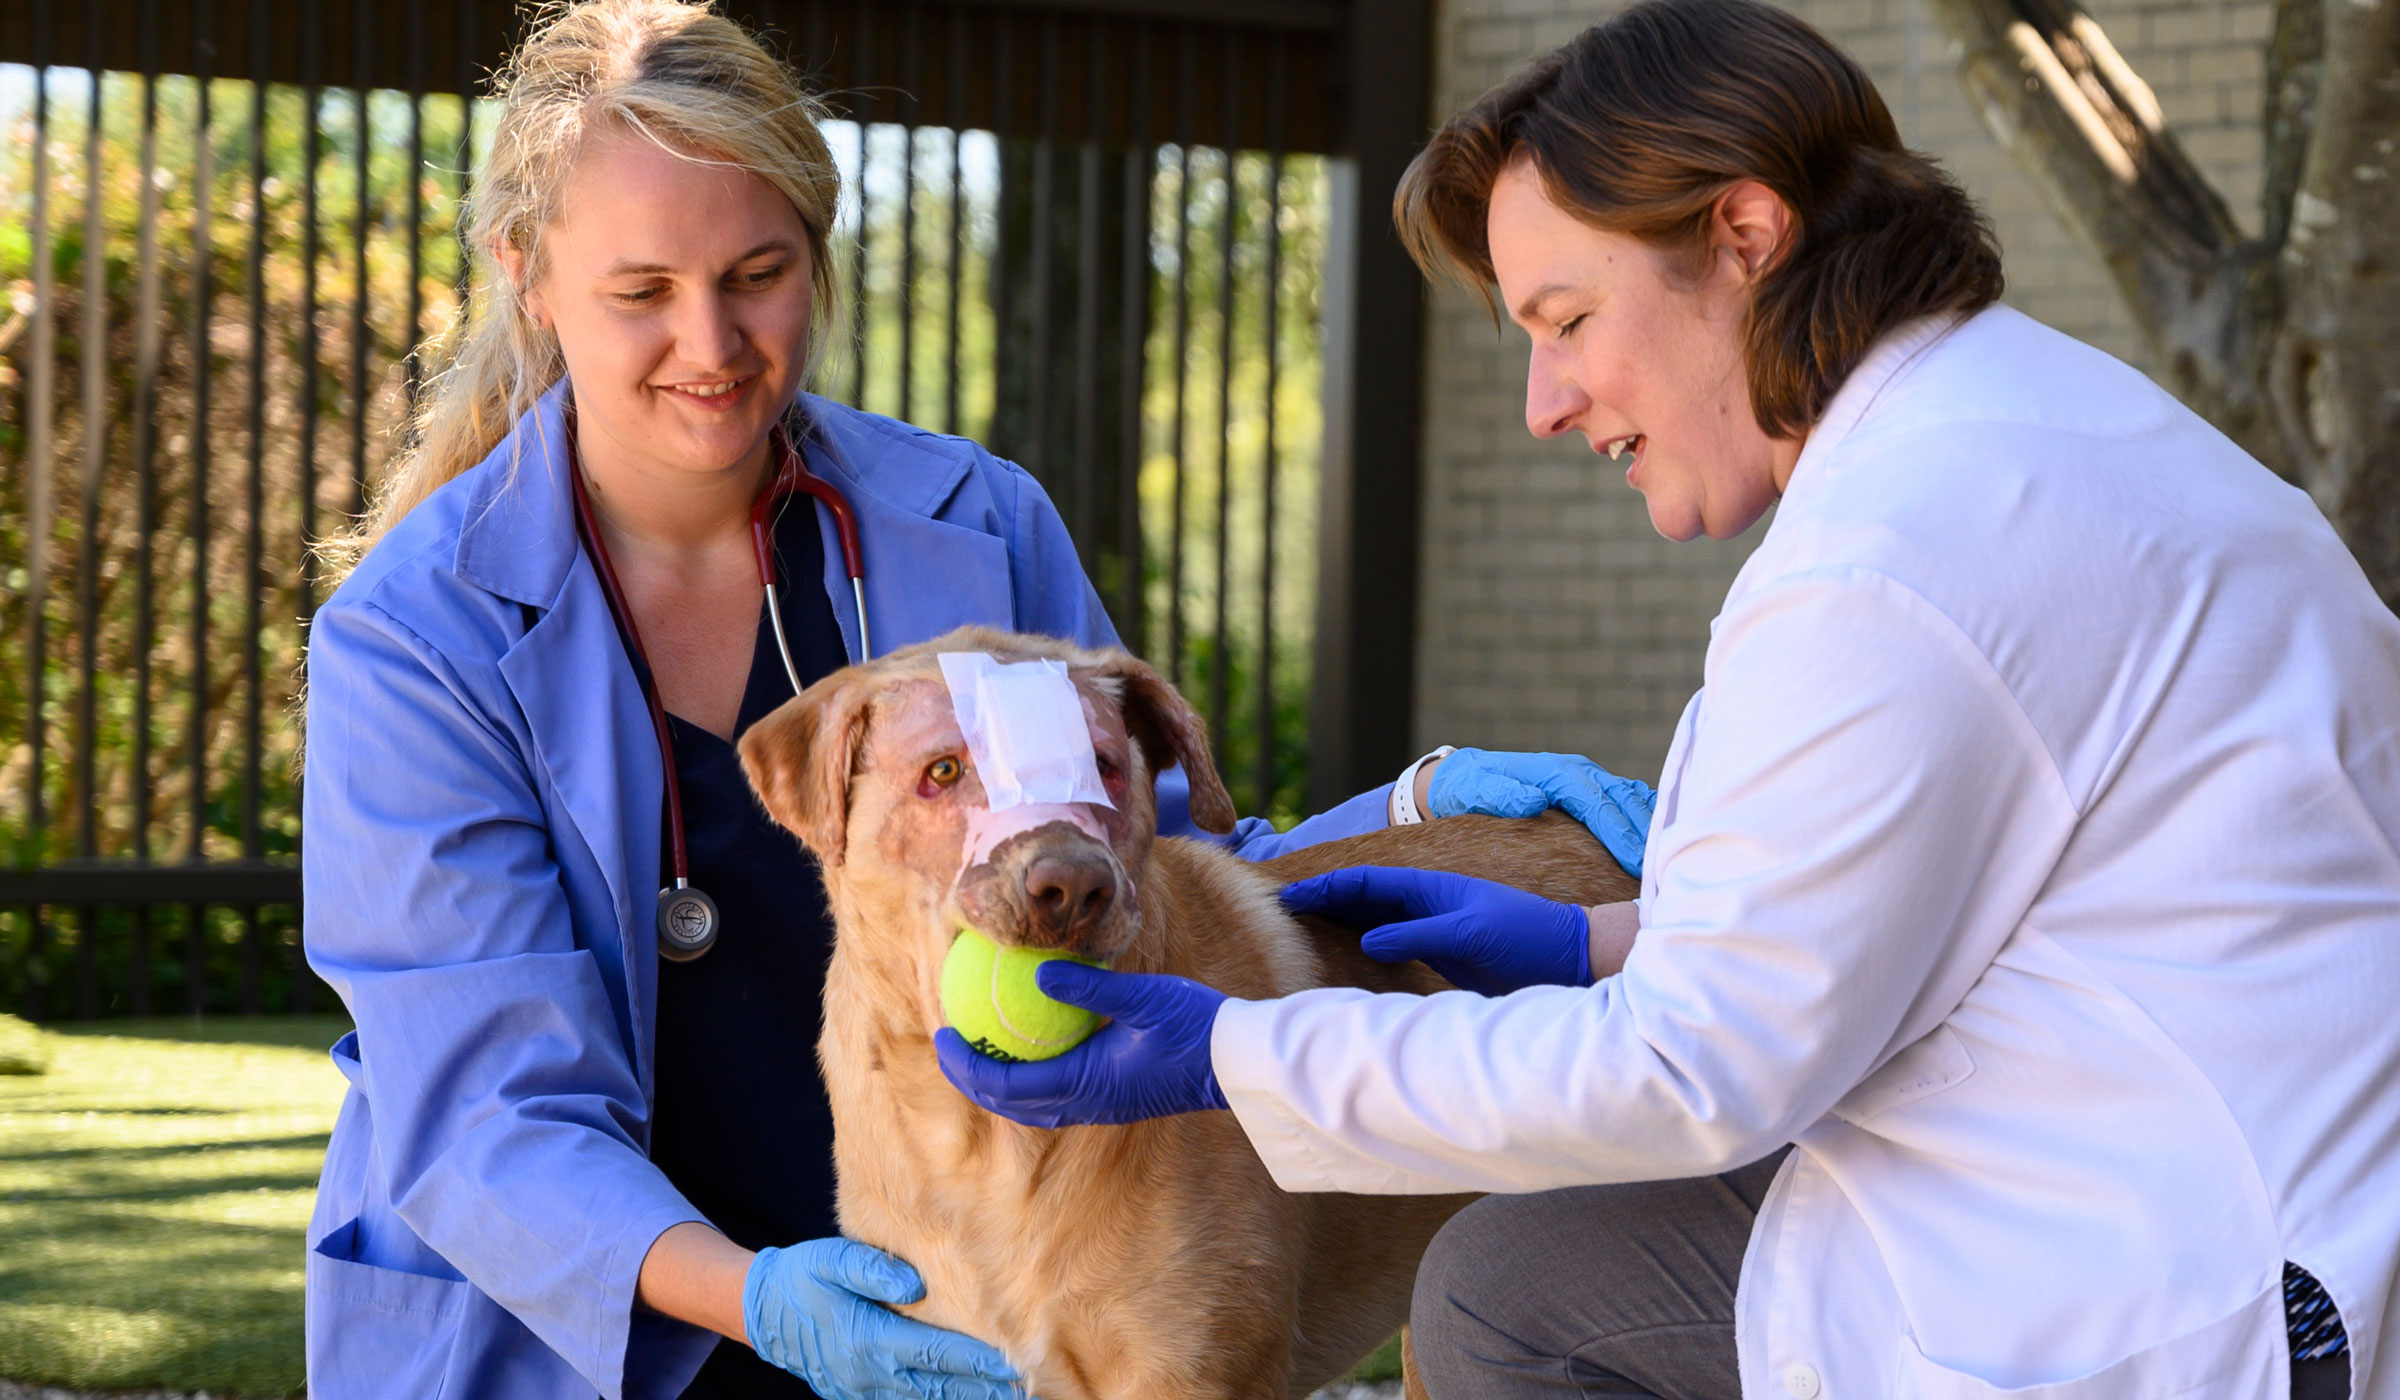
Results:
[1617, 810]
[1150, 1060]
[1483, 936]
[815, 1309]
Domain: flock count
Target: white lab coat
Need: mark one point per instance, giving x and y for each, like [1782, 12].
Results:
[2028, 860]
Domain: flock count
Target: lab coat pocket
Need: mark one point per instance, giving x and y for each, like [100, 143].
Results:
[1926, 1067]
[374, 1331]
[2240, 1356]
[345, 1059]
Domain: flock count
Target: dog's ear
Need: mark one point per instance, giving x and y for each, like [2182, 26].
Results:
[1171, 731]
[799, 760]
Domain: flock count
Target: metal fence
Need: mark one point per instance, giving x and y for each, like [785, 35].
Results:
[1123, 242]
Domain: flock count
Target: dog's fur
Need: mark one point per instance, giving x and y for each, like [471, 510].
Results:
[1147, 1262]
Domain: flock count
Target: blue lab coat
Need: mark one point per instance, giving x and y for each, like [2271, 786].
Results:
[481, 867]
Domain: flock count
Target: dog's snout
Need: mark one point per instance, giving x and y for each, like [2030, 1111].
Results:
[1069, 892]
[1052, 886]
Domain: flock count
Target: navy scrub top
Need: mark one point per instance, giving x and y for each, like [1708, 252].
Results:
[741, 1124]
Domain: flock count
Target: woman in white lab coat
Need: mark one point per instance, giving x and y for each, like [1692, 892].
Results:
[2027, 865]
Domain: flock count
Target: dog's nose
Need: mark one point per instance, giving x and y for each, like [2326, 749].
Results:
[1068, 893]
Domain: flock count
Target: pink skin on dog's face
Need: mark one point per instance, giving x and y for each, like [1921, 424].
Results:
[1002, 861]
[987, 829]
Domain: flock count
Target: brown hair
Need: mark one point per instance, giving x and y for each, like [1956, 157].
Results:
[1638, 125]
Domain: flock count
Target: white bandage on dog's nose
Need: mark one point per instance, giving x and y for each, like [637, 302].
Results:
[1025, 729]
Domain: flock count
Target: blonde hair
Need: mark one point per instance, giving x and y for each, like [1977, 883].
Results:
[677, 74]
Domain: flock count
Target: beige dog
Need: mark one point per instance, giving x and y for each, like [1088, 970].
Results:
[1153, 1261]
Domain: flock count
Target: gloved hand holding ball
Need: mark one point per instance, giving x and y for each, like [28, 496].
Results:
[989, 997]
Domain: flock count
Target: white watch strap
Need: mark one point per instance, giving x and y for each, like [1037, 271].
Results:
[1402, 809]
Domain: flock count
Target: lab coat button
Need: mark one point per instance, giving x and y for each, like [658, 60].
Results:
[1800, 1379]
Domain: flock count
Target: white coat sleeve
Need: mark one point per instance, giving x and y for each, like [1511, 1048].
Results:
[1864, 814]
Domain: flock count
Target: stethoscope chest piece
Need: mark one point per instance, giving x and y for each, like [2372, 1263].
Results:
[687, 923]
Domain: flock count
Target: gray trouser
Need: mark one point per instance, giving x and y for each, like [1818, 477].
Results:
[1613, 1293]
[1596, 1291]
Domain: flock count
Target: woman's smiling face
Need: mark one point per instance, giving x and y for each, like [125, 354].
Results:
[680, 291]
[1641, 356]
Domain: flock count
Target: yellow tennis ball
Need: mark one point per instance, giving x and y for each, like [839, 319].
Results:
[989, 996]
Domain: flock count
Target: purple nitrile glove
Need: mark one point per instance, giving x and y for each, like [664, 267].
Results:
[1482, 936]
[816, 1310]
[1152, 1059]
[1615, 810]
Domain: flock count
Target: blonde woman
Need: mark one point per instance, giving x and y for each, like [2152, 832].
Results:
[565, 1164]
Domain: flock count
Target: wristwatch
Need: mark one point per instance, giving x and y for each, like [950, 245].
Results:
[1402, 809]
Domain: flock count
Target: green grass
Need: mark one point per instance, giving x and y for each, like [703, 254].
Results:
[1384, 1365]
[154, 1187]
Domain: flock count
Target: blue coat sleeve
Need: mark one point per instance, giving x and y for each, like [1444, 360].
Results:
[1055, 598]
[507, 1112]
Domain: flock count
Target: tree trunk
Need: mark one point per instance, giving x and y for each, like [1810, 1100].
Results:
[2288, 342]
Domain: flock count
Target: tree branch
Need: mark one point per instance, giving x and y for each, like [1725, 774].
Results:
[2058, 96]
[2295, 63]
[2285, 341]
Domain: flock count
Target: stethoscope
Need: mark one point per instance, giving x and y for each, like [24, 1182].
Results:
[687, 918]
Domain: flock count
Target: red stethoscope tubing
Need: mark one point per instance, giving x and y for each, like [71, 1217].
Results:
[795, 476]
[792, 475]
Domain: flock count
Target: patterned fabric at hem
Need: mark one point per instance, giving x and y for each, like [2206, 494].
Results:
[2308, 1316]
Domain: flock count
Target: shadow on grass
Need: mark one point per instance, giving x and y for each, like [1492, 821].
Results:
[314, 1142]
[179, 1303]
[154, 1189]
[291, 1032]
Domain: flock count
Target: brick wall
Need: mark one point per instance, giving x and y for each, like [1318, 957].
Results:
[1553, 617]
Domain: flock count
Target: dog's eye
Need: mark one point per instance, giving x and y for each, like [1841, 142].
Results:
[943, 772]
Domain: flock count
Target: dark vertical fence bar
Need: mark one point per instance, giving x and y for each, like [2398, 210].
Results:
[254, 505]
[1262, 773]
[362, 22]
[203, 284]
[1040, 455]
[861, 326]
[1186, 81]
[958, 219]
[1228, 238]
[39, 390]
[204, 174]
[311, 153]
[910, 113]
[145, 468]
[195, 959]
[463, 164]
[1361, 708]
[414, 174]
[94, 349]
[1002, 75]
[818, 42]
[311, 40]
[1141, 167]
[1083, 524]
